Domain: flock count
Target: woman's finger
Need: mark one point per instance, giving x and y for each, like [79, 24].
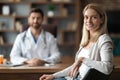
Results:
[42, 77]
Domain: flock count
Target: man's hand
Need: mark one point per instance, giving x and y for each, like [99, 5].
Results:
[35, 62]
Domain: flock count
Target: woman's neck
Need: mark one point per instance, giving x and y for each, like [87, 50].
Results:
[88, 46]
[93, 36]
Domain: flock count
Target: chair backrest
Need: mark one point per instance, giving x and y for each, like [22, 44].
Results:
[94, 74]
[50, 28]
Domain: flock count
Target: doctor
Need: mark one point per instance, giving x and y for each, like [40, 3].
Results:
[35, 46]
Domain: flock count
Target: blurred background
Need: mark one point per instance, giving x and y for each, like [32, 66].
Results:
[64, 17]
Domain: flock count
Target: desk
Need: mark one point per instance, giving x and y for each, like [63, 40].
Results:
[33, 73]
[29, 73]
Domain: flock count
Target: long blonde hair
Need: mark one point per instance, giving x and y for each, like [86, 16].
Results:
[102, 29]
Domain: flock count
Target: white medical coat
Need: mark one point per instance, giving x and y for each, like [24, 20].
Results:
[25, 48]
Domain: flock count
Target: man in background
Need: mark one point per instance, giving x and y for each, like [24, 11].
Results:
[35, 46]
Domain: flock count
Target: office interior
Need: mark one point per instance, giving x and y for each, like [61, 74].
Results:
[65, 21]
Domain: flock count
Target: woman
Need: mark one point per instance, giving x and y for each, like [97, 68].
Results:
[95, 50]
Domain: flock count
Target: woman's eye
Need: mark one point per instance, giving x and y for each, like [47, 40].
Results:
[85, 17]
[94, 17]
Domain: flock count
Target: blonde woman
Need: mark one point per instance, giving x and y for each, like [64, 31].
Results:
[96, 47]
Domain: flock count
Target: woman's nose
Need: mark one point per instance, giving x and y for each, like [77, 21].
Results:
[89, 20]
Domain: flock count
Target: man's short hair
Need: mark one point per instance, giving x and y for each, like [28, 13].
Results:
[37, 10]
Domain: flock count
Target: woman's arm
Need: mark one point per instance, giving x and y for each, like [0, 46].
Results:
[105, 64]
[62, 73]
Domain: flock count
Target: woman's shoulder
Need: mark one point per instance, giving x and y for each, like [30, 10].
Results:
[104, 38]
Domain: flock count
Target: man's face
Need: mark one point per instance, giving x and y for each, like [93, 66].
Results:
[35, 20]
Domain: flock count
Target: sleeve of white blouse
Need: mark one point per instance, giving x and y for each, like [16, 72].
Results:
[62, 73]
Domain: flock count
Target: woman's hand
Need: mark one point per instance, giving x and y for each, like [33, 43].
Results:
[46, 77]
[75, 67]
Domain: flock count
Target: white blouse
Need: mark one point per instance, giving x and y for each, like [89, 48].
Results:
[83, 68]
[100, 57]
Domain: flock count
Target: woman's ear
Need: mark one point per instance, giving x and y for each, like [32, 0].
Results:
[102, 20]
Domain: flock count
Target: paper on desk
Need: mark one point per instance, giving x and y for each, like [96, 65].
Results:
[10, 65]
[47, 64]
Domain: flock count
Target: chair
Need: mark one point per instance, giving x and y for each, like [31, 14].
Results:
[94, 74]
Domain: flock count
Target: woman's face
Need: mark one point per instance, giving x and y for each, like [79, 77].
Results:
[92, 20]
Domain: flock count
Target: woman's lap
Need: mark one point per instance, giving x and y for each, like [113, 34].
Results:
[64, 79]
[59, 79]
